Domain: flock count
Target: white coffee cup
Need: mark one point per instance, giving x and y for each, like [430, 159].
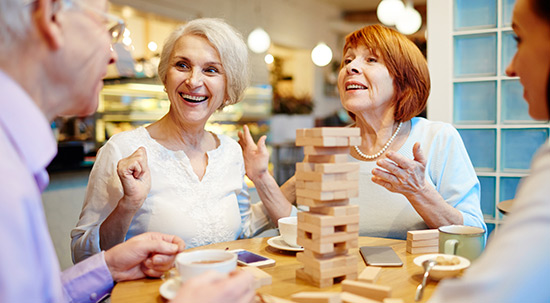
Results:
[288, 228]
[194, 263]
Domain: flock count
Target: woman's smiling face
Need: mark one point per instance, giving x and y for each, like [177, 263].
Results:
[364, 82]
[195, 81]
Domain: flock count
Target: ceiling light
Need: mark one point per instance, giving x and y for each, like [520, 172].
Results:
[388, 11]
[269, 59]
[258, 40]
[321, 54]
[409, 22]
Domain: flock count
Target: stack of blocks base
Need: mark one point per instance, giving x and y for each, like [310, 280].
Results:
[324, 182]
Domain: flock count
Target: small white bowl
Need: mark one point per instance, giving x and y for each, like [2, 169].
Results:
[439, 272]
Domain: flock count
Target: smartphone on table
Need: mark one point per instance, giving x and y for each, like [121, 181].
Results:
[380, 256]
[248, 258]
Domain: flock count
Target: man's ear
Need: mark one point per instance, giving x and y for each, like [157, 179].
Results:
[47, 25]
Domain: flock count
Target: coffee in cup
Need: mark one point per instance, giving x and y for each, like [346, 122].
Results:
[288, 228]
[194, 263]
[461, 240]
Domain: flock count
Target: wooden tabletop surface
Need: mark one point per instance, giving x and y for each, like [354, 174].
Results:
[403, 280]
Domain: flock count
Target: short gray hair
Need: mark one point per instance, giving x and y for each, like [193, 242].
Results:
[14, 22]
[229, 44]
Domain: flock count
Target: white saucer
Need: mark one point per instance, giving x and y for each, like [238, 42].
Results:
[279, 243]
[169, 289]
[439, 272]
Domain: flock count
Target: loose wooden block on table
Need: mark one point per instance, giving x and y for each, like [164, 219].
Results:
[347, 297]
[368, 290]
[422, 250]
[370, 274]
[316, 297]
[423, 243]
[422, 234]
[261, 278]
[393, 300]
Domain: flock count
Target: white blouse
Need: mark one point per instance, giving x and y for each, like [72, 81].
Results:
[214, 209]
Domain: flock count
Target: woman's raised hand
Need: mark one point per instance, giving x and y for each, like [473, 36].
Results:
[402, 175]
[135, 177]
[256, 156]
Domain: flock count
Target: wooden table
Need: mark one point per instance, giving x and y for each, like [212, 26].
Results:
[505, 206]
[403, 280]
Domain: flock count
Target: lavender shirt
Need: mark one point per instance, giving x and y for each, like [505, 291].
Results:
[29, 269]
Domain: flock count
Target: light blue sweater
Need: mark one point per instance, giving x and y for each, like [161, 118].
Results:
[449, 170]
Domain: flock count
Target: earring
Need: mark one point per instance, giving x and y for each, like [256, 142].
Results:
[164, 89]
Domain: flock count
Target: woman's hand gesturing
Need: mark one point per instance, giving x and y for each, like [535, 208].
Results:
[135, 177]
[402, 175]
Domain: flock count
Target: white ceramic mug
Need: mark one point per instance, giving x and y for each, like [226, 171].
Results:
[288, 228]
[465, 241]
[194, 263]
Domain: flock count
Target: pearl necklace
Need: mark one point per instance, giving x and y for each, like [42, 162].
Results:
[378, 154]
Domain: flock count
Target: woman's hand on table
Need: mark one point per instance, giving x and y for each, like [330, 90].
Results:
[148, 254]
[214, 287]
[256, 156]
[135, 177]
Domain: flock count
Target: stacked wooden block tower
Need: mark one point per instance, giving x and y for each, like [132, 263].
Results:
[423, 241]
[325, 182]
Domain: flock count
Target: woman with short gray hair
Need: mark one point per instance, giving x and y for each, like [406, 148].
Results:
[184, 180]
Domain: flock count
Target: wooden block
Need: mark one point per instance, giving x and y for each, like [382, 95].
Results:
[316, 297]
[367, 290]
[311, 261]
[261, 278]
[326, 177]
[317, 231]
[331, 273]
[340, 158]
[423, 234]
[265, 298]
[327, 167]
[330, 185]
[370, 274]
[326, 220]
[326, 195]
[330, 131]
[423, 243]
[326, 151]
[322, 283]
[318, 203]
[336, 210]
[354, 141]
[422, 250]
[340, 247]
[332, 238]
[347, 297]
[323, 141]
[393, 300]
